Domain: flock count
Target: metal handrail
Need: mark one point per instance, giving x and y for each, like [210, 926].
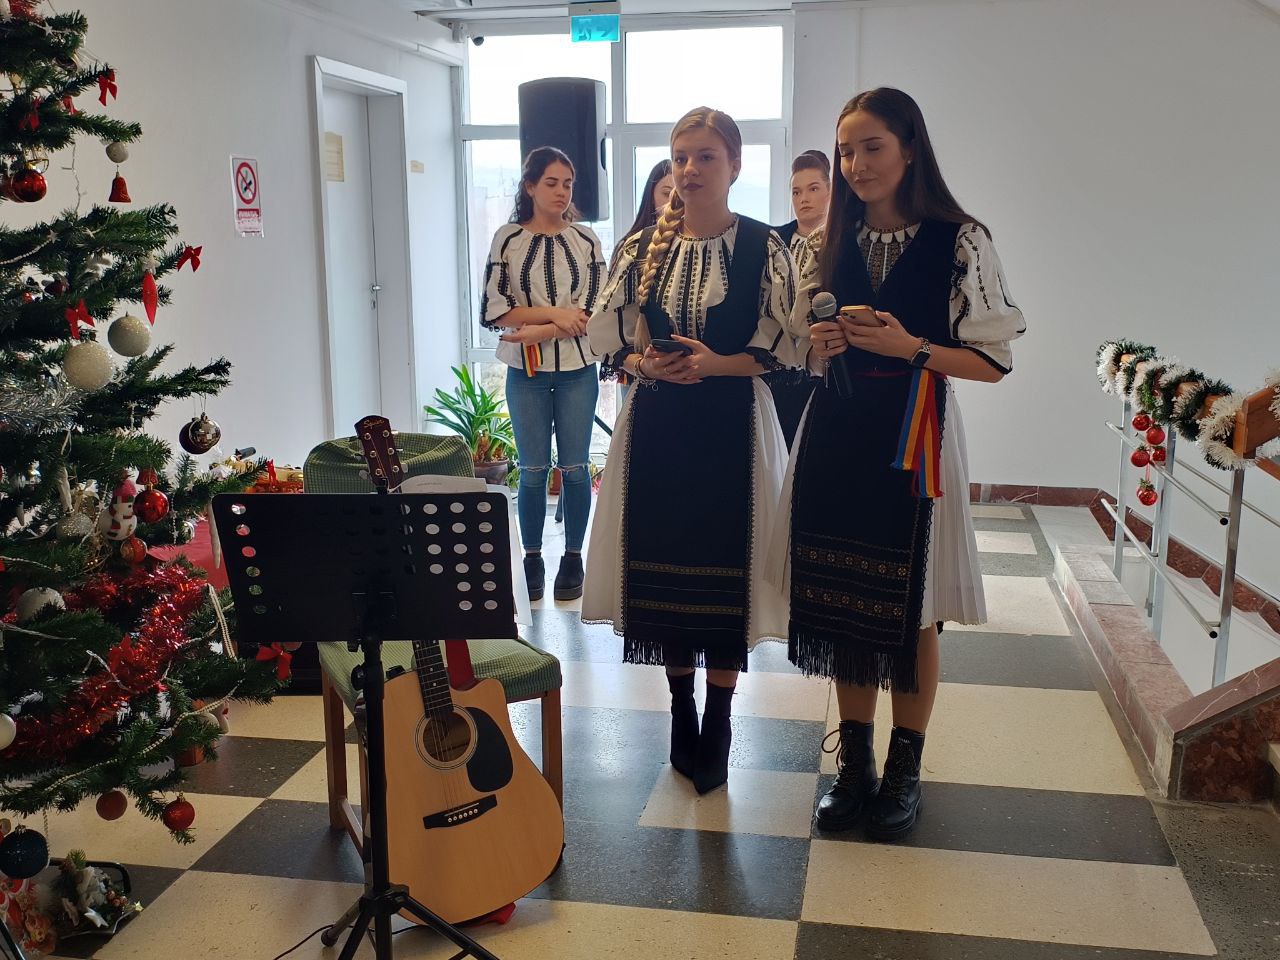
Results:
[1134, 443]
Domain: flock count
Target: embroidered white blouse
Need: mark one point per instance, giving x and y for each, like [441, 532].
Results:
[527, 269]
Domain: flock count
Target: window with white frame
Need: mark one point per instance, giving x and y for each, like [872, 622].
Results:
[661, 68]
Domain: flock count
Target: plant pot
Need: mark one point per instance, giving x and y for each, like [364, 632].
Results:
[492, 471]
[191, 758]
[557, 482]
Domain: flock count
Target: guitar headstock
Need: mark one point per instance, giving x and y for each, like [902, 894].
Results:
[380, 452]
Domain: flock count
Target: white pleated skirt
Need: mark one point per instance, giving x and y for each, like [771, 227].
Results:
[953, 576]
[602, 598]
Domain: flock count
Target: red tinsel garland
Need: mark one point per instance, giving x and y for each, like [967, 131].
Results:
[136, 664]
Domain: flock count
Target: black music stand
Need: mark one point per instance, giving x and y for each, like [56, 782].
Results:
[357, 569]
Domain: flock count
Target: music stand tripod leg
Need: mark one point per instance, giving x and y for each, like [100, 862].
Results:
[383, 899]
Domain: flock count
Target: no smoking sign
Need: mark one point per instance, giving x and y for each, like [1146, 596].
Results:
[246, 189]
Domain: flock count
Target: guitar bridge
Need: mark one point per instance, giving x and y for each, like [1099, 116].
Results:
[456, 816]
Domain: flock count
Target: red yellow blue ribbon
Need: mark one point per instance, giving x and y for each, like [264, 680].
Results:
[532, 356]
[920, 443]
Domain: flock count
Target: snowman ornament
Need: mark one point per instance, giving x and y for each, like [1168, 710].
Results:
[117, 521]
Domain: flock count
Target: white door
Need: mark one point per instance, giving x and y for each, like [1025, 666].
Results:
[352, 260]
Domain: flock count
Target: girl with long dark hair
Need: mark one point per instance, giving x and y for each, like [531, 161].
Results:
[653, 199]
[877, 562]
[694, 310]
[543, 279]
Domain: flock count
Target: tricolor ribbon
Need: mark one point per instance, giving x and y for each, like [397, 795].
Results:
[920, 443]
[532, 356]
[107, 85]
[190, 255]
[76, 316]
[281, 656]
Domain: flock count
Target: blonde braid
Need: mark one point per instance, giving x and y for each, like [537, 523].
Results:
[664, 234]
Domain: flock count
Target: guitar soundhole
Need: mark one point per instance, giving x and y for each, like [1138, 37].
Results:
[446, 738]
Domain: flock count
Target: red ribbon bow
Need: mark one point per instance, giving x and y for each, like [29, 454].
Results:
[69, 105]
[107, 85]
[76, 316]
[190, 255]
[32, 120]
[281, 656]
[272, 477]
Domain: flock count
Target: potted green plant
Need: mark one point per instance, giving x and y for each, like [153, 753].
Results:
[480, 418]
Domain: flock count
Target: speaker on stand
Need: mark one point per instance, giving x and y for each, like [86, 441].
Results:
[568, 113]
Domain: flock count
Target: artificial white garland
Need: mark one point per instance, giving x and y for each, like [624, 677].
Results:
[1108, 366]
[1216, 429]
[1272, 447]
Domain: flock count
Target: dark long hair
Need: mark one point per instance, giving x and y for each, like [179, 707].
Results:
[922, 194]
[535, 165]
[647, 215]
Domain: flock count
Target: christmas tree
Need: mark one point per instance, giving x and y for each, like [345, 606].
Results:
[111, 663]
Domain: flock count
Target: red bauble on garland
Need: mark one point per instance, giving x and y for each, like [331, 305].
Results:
[1147, 493]
[133, 551]
[112, 805]
[1141, 421]
[1140, 457]
[1159, 455]
[1155, 436]
[179, 815]
[150, 506]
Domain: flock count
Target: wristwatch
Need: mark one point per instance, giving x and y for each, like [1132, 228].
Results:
[922, 355]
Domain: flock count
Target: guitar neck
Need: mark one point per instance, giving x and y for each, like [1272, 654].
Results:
[379, 445]
[433, 677]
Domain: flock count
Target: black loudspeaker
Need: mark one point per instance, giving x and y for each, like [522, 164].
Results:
[568, 113]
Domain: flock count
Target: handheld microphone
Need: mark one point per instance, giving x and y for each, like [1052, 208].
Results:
[824, 308]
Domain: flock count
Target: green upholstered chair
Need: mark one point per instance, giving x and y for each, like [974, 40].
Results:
[525, 672]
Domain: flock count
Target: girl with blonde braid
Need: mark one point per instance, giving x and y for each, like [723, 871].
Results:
[695, 310]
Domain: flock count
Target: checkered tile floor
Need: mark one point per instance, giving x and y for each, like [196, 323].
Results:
[1037, 839]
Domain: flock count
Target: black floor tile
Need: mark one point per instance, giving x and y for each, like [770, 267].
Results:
[1031, 823]
[286, 838]
[701, 871]
[820, 941]
[1014, 660]
[251, 766]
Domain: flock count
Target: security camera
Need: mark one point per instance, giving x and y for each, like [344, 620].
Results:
[477, 40]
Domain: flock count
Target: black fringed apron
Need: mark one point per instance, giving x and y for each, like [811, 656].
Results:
[861, 516]
[687, 523]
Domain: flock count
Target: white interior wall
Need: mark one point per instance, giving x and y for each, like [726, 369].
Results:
[208, 80]
[1122, 152]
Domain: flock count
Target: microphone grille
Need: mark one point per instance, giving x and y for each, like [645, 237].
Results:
[824, 305]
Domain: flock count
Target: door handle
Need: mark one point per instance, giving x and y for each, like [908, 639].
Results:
[373, 289]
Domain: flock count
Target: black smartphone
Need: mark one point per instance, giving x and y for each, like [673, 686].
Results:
[672, 346]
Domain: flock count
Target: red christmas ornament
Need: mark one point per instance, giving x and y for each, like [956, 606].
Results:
[28, 296]
[1139, 457]
[148, 477]
[133, 550]
[150, 296]
[1147, 494]
[119, 191]
[28, 186]
[1159, 455]
[1155, 436]
[112, 805]
[1141, 421]
[179, 815]
[150, 506]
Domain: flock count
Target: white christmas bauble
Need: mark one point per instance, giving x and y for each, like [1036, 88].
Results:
[74, 526]
[129, 336]
[8, 729]
[33, 601]
[117, 525]
[88, 365]
[117, 152]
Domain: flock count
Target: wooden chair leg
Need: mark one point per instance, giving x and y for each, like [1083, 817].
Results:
[335, 750]
[553, 744]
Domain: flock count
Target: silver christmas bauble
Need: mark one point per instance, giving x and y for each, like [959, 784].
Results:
[129, 336]
[74, 526]
[34, 601]
[117, 152]
[88, 365]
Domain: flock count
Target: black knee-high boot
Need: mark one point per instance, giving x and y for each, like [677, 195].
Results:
[894, 810]
[684, 724]
[712, 768]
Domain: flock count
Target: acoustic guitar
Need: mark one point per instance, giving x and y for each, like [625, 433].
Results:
[472, 823]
